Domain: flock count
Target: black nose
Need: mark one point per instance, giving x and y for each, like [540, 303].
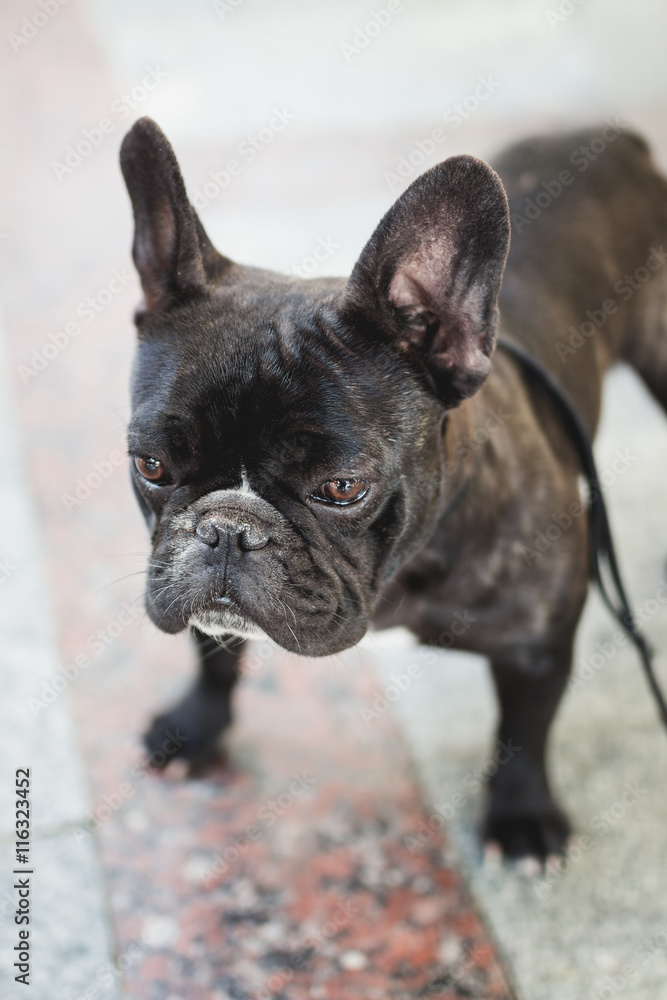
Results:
[218, 531]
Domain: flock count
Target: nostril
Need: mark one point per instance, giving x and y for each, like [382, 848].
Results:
[250, 539]
[208, 532]
[246, 537]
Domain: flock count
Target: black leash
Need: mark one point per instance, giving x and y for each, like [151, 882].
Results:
[603, 553]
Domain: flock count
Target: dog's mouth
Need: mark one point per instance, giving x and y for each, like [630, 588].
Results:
[225, 621]
[224, 617]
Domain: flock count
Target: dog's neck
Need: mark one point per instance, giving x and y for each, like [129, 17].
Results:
[460, 451]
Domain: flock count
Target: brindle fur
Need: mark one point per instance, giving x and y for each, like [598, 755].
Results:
[481, 484]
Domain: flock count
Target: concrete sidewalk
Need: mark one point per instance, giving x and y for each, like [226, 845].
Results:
[70, 934]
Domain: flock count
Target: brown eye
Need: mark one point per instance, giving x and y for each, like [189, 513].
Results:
[150, 468]
[343, 491]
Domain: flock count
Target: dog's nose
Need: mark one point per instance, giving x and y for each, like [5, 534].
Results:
[218, 531]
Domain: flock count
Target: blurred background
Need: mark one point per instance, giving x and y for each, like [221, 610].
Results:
[146, 885]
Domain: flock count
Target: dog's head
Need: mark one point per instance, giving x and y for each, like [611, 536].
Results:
[286, 434]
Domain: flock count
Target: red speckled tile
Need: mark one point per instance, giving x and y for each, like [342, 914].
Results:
[324, 900]
[287, 873]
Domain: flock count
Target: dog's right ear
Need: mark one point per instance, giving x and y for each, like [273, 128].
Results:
[171, 251]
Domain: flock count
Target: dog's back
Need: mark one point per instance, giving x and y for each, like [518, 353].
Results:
[586, 282]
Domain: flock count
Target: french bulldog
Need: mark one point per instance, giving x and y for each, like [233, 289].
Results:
[314, 457]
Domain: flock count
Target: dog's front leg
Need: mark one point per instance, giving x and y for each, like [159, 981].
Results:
[193, 726]
[523, 818]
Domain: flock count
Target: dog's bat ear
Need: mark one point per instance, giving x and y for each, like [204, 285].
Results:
[428, 278]
[172, 253]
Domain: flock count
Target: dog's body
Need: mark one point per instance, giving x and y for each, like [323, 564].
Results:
[336, 455]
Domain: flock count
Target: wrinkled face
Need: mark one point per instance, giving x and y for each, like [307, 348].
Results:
[286, 435]
[283, 475]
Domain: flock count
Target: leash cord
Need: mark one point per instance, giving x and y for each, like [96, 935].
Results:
[603, 553]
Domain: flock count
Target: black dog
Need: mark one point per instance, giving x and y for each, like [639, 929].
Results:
[316, 456]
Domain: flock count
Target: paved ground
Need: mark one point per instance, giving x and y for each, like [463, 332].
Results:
[333, 900]
[69, 925]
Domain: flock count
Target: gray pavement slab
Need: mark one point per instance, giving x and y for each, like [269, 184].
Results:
[70, 938]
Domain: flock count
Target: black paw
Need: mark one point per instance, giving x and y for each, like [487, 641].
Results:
[524, 835]
[190, 731]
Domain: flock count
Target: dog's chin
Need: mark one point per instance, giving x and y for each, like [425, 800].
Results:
[226, 623]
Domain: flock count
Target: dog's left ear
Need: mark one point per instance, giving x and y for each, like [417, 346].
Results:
[428, 278]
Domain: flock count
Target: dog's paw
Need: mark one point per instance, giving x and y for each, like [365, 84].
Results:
[190, 732]
[537, 835]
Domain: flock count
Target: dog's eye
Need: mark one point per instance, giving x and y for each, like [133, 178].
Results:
[150, 468]
[342, 491]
